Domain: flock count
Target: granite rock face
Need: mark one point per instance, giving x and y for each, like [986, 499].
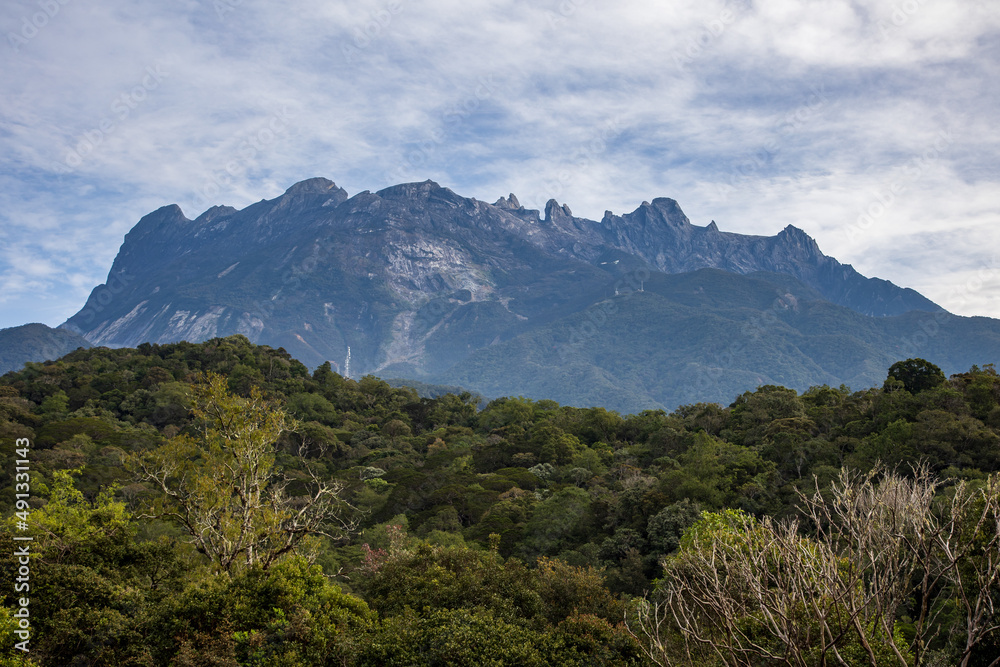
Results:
[415, 278]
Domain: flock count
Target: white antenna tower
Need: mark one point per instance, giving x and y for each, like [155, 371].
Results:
[347, 363]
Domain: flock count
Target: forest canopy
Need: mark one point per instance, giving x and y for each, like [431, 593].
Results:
[218, 503]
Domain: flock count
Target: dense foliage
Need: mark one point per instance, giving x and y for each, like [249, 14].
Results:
[515, 533]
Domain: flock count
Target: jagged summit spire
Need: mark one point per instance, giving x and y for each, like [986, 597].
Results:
[509, 202]
[798, 237]
[214, 213]
[553, 210]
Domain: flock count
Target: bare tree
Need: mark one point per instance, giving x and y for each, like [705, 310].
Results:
[223, 489]
[916, 546]
[745, 590]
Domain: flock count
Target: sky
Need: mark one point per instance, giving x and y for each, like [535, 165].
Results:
[870, 124]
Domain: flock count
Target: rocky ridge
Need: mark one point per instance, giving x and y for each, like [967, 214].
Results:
[415, 278]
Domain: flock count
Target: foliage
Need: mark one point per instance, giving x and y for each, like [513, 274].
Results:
[289, 615]
[94, 589]
[916, 375]
[878, 548]
[452, 578]
[526, 522]
[219, 488]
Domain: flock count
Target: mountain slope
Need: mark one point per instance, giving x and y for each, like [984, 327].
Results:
[35, 342]
[709, 335]
[419, 282]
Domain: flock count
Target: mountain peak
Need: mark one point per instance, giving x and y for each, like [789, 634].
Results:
[419, 242]
[163, 217]
[310, 186]
[554, 210]
[664, 210]
[406, 190]
[798, 237]
[36, 342]
[214, 213]
[509, 202]
[416, 280]
[667, 204]
[168, 211]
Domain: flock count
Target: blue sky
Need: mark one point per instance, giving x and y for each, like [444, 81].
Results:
[871, 124]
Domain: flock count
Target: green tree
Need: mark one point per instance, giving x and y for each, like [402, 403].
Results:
[288, 616]
[915, 374]
[457, 637]
[10, 656]
[222, 487]
[555, 522]
[452, 578]
[56, 404]
[667, 526]
[94, 589]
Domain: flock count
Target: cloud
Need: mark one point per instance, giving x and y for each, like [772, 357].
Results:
[756, 115]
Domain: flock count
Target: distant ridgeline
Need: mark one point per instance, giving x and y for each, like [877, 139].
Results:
[635, 311]
[35, 342]
[519, 532]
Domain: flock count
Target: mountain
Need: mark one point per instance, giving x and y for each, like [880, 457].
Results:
[35, 342]
[708, 335]
[662, 235]
[421, 283]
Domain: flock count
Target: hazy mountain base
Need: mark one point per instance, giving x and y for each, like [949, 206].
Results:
[709, 335]
[701, 336]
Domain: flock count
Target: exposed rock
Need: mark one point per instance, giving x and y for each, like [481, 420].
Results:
[510, 203]
[417, 277]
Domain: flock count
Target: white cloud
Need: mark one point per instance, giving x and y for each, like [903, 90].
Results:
[711, 103]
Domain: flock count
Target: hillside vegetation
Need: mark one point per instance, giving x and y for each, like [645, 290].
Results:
[219, 504]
